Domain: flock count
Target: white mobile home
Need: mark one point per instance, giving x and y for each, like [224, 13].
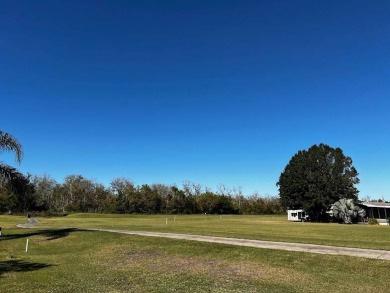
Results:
[377, 210]
[296, 215]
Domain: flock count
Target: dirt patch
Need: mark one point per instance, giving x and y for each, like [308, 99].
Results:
[225, 271]
[31, 222]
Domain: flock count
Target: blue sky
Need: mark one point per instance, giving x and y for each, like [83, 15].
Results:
[215, 92]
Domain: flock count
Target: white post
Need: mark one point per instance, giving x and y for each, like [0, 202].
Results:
[26, 245]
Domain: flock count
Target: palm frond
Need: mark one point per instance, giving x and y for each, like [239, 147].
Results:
[9, 143]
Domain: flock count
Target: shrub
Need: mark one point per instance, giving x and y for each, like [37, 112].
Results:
[372, 221]
[347, 211]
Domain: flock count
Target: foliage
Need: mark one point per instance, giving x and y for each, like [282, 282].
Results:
[373, 221]
[346, 211]
[18, 195]
[10, 175]
[316, 178]
[16, 190]
[11, 144]
[43, 194]
[257, 204]
[79, 194]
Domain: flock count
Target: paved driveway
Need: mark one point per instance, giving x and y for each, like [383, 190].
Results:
[311, 248]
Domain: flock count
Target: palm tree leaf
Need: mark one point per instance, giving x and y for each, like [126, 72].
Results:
[9, 143]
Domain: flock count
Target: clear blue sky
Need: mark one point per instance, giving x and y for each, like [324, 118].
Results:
[216, 92]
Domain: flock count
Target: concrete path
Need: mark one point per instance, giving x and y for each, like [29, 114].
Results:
[311, 248]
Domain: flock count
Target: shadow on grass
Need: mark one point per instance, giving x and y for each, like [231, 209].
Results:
[51, 234]
[20, 266]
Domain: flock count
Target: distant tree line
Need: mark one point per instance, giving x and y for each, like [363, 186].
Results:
[79, 194]
[20, 193]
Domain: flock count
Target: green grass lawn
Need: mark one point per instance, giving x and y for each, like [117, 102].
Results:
[275, 228]
[70, 260]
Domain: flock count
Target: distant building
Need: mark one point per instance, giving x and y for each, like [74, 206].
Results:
[377, 210]
[296, 215]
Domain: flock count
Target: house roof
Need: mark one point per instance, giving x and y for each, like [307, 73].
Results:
[376, 204]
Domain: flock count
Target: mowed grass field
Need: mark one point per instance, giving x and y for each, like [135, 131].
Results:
[275, 228]
[62, 259]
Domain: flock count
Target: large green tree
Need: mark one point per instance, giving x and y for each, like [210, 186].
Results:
[316, 178]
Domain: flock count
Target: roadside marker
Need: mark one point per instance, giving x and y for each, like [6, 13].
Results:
[26, 245]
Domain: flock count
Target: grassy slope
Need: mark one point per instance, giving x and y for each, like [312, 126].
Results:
[77, 261]
[275, 228]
